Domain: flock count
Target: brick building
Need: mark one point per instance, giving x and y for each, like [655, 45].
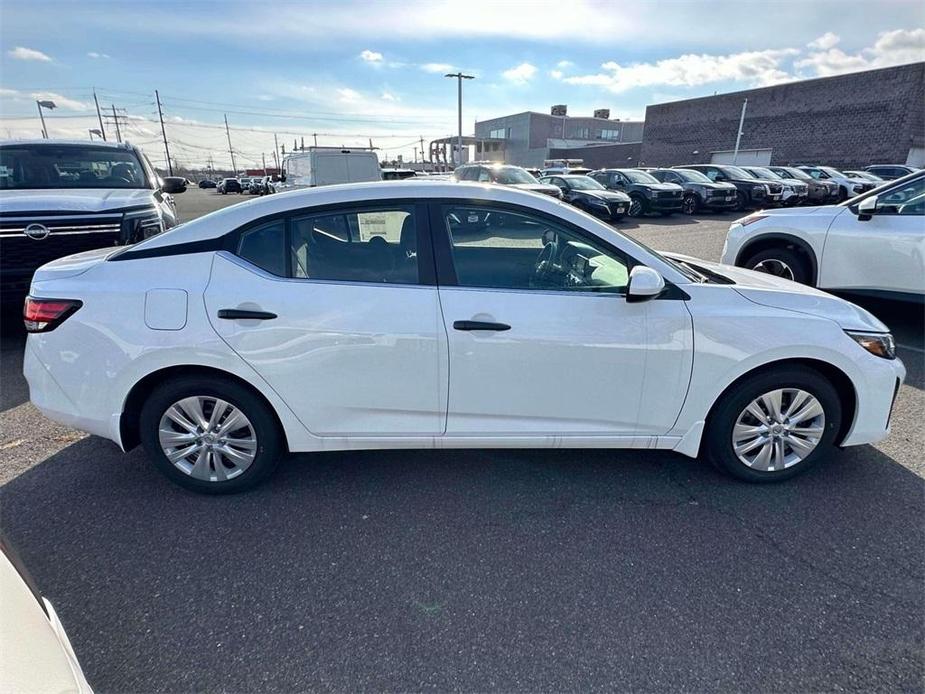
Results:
[853, 120]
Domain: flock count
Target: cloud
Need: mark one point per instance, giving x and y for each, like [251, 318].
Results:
[556, 74]
[896, 47]
[388, 96]
[690, 70]
[824, 42]
[98, 56]
[565, 64]
[347, 94]
[371, 56]
[520, 74]
[437, 67]
[22, 53]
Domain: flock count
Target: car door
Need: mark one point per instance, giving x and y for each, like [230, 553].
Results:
[542, 339]
[884, 252]
[337, 311]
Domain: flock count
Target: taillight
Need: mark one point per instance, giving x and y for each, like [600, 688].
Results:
[42, 315]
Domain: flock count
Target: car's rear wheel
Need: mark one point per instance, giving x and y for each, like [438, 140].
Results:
[774, 425]
[210, 435]
[780, 262]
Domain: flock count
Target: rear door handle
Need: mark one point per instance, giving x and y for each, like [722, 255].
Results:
[479, 325]
[242, 314]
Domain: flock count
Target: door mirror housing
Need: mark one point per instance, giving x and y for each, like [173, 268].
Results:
[867, 208]
[174, 185]
[720, 177]
[644, 284]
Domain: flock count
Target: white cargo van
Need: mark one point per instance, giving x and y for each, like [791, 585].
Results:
[324, 166]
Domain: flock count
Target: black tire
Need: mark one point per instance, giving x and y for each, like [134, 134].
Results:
[741, 201]
[718, 437]
[842, 194]
[637, 206]
[265, 425]
[797, 267]
[690, 204]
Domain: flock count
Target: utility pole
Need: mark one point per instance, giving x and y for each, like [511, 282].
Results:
[315, 136]
[99, 115]
[423, 158]
[160, 115]
[459, 78]
[116, 119]
[275, 150]
[264, 157]
[234, 167]
[735, 153]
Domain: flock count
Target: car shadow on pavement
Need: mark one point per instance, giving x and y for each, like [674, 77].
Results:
[476, 570]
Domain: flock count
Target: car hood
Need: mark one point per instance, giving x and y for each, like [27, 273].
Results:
[608, 195]
[713, 186]
[74, 200]
[817, 210]
[768, 290]
[662, 186]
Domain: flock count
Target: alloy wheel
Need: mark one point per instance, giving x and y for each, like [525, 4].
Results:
[772, 266]
[689, 205]
[778, 429]
[635, 208]
[207, 438]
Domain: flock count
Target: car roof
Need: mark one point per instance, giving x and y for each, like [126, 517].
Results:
[68, 143]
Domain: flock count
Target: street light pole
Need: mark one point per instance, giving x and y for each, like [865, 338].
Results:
[459, 78]
[44, 104]
[735, 153]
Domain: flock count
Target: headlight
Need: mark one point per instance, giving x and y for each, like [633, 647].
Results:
[598, 202]
[878, 344]
[138, 226]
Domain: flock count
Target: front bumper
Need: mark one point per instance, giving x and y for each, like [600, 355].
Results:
[721, 203]
[610, 212]
[876, 390]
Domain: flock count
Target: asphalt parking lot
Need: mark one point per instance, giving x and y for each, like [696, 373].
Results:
[477, 570]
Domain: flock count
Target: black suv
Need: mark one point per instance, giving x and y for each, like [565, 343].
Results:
[587, 194]
[700, 193]
[505, 175]
[647, 194]
[58, 198]
[750, 192]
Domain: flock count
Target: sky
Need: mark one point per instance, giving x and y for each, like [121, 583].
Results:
[352, 72]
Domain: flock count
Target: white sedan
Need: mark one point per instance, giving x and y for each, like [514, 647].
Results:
[873, 244]
[441, 316]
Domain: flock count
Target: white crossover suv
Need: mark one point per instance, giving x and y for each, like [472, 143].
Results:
[443, 315]
[873, 244]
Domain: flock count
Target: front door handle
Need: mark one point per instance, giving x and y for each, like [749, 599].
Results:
[479, 325]
[243, 314]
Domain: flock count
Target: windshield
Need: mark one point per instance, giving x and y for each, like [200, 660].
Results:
[583, 183]
[736, 172]
[25, 167]
[639, 176]
[788, 172]
[511, 176]
[834, 173]
[764, 174]
[691, 175]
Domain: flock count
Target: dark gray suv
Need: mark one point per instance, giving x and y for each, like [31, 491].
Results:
[700, 193]
[647, 194]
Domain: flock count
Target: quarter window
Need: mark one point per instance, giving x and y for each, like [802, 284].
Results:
[501, 249]
[265, 247]
[356, 246]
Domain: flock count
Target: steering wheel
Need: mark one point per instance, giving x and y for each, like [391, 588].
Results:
[119, 179]
[546, 262]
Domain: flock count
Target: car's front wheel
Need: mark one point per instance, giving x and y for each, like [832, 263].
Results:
[689, 204]
[210, 435]
[637, 206]
[780, 262]
[774, 425]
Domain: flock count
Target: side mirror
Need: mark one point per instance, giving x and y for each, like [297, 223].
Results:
[867, 208]
[174, 185]
[644, 284]
[720, 177]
